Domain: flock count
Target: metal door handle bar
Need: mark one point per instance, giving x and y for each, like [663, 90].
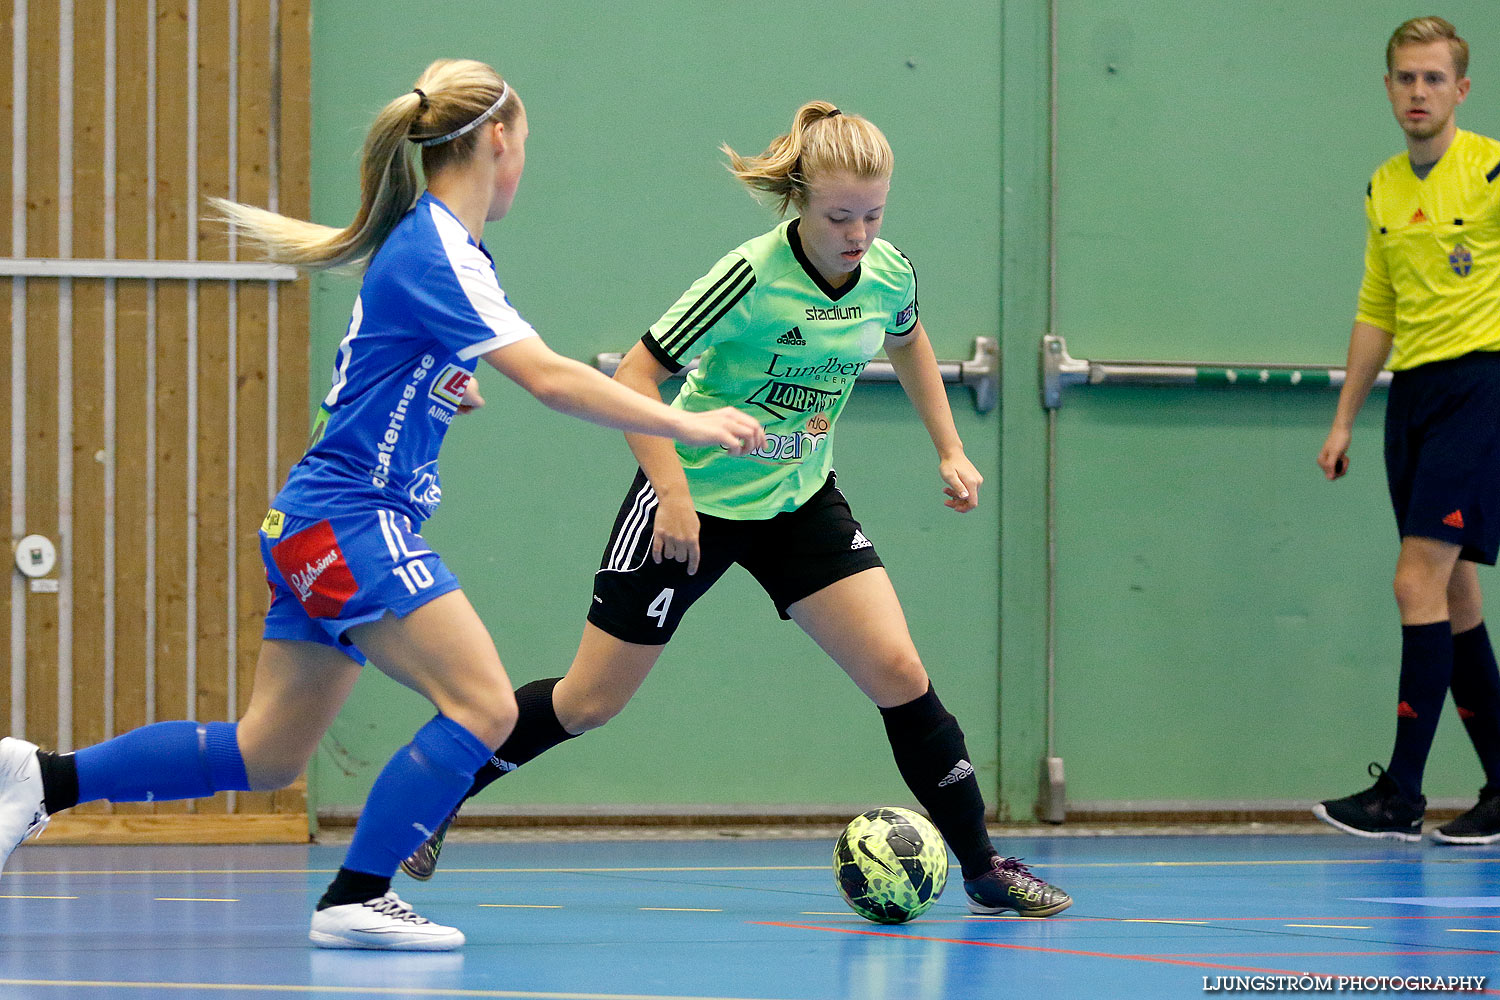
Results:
[981, 373]
[1061, 370]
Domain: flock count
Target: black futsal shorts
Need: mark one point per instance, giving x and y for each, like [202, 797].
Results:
[1442, 453]
[792, 555]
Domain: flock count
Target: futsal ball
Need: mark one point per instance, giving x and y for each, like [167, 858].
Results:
[890, 865]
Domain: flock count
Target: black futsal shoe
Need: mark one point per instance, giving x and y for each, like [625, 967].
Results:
[1480, 825]
[1378, 812]
[423, 861]
[1009, 885]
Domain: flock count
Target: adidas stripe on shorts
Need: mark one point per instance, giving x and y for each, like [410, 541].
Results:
[792, 555]
[1442, 453]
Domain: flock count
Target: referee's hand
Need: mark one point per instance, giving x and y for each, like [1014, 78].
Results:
[1334, 458]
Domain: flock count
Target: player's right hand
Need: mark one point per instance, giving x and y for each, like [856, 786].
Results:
[675, 535]
[737, 432]
[1334, 458]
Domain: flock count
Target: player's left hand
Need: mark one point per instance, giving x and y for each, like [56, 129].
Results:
[963, 482]
[472, 399]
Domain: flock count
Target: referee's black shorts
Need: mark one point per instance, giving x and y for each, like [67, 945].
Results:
[792, 555]
[1442, 453]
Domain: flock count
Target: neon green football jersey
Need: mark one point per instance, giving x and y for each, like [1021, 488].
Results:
[775, 340]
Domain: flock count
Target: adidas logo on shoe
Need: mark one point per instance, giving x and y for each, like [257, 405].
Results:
[963, 769]
[860, 541]
[792, 338]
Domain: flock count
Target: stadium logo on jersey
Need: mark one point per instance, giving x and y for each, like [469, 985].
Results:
[835, 312]
[1461, 260]
[450, 385]
[313, 564]
[792, 338]
[904, 316]
[426, 491]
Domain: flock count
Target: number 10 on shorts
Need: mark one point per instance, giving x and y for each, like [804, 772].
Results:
[415, 575]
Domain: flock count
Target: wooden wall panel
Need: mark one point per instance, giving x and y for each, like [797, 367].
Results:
[192, 478]
[41, 362]
[294, 188]
[12, 378]
[173, 699]
[134, 407]
[253, 490]
[91, 375]
[216, 553]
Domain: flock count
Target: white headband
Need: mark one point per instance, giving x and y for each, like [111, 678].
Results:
[504, 93]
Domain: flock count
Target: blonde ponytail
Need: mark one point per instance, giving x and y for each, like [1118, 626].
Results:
[822, 140]
[450, 94]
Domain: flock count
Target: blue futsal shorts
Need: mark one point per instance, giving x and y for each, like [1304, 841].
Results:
[1442, 453]
[330, 574]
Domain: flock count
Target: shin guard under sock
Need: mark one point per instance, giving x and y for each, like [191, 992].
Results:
[931, 755]
[162, 761]
[1426, 670]
[414, 793]
[1476, 692]
[537, 731]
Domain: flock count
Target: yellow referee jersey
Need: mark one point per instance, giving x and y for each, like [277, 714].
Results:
[1432, 259]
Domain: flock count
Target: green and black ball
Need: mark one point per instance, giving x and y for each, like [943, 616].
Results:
[890, 865]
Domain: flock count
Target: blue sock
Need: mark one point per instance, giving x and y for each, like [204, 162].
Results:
[165, 760]
[414, 793]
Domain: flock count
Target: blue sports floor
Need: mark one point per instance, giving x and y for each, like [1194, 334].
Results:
[745, 918]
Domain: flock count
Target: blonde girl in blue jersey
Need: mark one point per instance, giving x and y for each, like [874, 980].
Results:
[781, 327]
[350, 576]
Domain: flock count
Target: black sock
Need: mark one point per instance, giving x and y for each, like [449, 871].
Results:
[1476, 692]
[1426, 670]
[932, 758]
[537, 731]
[350, 886]
[59, 781]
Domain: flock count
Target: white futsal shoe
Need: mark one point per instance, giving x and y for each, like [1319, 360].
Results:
[387, 923]
[21, 811]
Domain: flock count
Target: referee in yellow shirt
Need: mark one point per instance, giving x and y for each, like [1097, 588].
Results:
[1430, 302]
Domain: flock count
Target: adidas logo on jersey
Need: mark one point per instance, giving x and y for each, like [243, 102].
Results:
[860, 541]
[792, 337]
[963, 769]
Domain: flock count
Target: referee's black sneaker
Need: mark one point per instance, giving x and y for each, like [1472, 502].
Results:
[1480, 825]
[1379, 811]
[1009, 885]
[422, 862]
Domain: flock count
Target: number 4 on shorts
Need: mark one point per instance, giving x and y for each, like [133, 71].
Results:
[658, 608]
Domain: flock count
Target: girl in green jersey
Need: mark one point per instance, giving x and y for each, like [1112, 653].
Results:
[781, 328]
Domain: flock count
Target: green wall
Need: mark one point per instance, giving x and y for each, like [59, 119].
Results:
[624, 203]
[1225, 629]
[1226, 626]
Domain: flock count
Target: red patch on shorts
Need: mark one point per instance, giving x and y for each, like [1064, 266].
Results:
[1405, 711]
[313, 565]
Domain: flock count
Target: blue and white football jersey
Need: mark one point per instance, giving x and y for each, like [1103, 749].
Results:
[429, 306]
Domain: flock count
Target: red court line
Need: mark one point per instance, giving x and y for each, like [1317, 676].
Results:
[1150, 959]
[1225, 920]
[1321, 954]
